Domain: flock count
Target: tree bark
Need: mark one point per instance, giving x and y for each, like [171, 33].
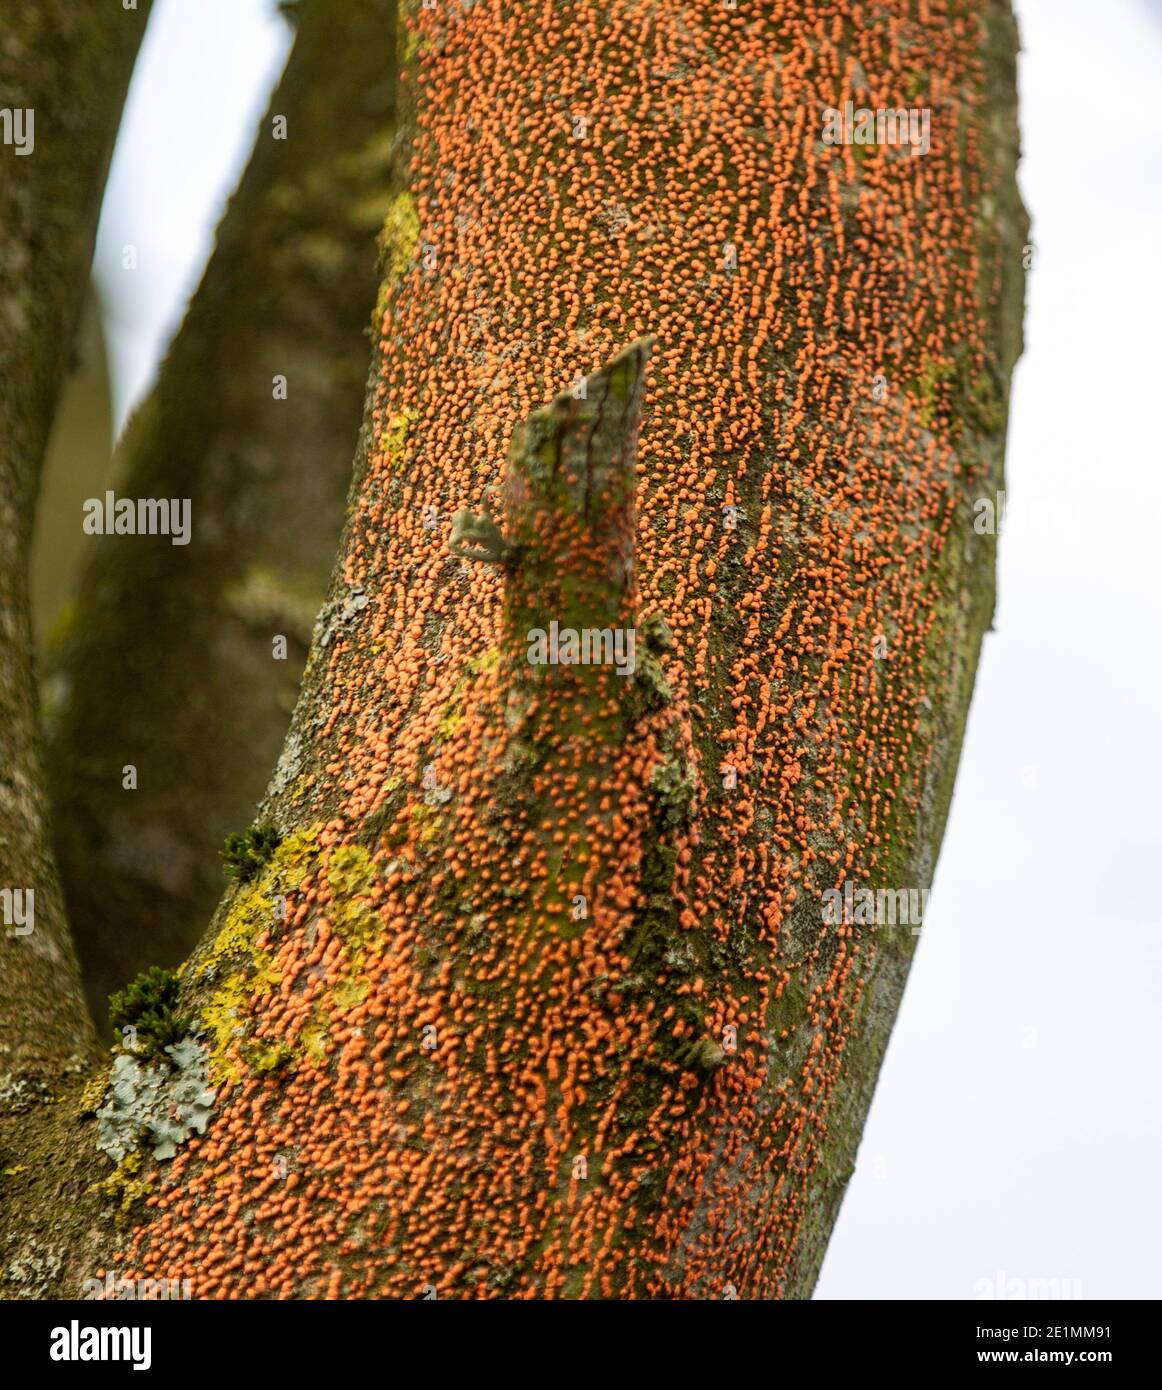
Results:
[184, 660]
[537, 996]
[68, 67]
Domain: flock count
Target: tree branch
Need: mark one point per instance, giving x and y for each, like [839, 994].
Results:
[250, 420]
[532, 994]
[64, 70]
[570, 500]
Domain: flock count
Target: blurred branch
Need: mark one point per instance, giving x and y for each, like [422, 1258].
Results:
[64, 71]
[184, 660]
[76, 466]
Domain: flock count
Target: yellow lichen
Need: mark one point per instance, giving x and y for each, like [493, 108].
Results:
[393, 440]
[125, 1185]
[350, 993]
[93, 1092]
[239, 967]
[314, 1036]
[397, 246]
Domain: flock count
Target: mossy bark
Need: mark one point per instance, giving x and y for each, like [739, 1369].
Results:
[234, 975]
[968, 584]
[171, 659]
[569, 507]
[69, 66]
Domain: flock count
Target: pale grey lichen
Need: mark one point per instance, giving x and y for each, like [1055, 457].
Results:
[158, 1105]
[339, 612]
[288, 766]
[21, 1093]
[676, 785]
[34, 1273]
[477, 537]
[654, 637]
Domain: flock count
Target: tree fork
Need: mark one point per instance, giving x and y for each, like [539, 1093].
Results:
[524, 1006]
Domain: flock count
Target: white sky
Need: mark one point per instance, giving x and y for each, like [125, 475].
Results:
[202, 82]
[1016, 1129]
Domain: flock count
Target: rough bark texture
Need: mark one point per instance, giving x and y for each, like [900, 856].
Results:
[167, 658]
[537, 997]
[69, 65]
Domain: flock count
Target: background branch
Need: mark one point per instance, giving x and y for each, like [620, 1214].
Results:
[172, 659]
[67, 66]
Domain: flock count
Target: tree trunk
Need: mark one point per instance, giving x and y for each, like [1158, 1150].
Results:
[253, 419]
[539, 994]
[64, 70]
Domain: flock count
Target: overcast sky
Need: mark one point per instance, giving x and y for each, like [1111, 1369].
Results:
[1016, 1129]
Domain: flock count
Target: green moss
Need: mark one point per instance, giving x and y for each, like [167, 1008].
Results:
[653, 638]
[378, 823]
[244, 855]
[983, 403]
[148, 1005]
[789, 1010]
[934, 375]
